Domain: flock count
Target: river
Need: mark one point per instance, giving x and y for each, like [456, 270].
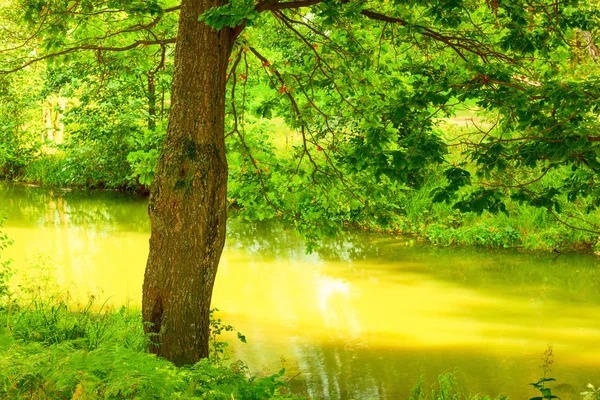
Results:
[363, 317]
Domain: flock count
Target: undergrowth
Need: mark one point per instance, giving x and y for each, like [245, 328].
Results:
[50, 351]
[521, 226]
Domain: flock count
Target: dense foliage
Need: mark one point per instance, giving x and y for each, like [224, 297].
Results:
[324, 131]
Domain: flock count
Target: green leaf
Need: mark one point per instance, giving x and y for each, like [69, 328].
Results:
[241, 337]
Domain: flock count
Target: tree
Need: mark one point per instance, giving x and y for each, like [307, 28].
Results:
[188, 196]
[364, 85]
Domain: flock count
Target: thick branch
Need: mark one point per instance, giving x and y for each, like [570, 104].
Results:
[380, 17]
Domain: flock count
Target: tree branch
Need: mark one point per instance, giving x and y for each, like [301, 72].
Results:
[276, 5]
[133, 45]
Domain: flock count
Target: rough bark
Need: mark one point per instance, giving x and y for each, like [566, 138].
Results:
[188, 196]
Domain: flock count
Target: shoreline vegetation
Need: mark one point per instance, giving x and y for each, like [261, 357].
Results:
[49, 350]
[431, 188]
[522, 227]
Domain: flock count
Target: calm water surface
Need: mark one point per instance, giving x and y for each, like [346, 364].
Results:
[362, 318]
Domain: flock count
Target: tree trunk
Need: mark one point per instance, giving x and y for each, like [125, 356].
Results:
[151, 100]
[188, 196]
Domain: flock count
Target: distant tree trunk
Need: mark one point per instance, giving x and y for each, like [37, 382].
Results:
[162, 103]
[188, 196]
[151, 100]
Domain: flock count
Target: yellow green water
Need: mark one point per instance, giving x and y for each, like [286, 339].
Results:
[362, 318]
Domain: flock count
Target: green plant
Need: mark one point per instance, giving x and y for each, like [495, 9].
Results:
[546, 393]
[53, 351]
[446, 387]
[51, 321]
[5, 269]
[218, 347]
[143, 164]
[592, 393]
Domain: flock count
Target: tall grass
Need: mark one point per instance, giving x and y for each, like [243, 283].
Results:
[76, 169]
[51, 351]
[447, 387]
[5, 269]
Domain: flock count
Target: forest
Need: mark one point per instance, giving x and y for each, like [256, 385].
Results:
[397, 198]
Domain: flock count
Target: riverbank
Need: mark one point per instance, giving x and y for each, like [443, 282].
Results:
[271, 183]
[48, 351]
[439, 224]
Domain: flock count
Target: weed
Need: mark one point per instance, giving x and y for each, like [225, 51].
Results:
[218, 347]
[546, 393]
[446, 387]
[592, 393]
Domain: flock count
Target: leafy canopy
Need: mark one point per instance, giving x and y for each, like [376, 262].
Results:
[365, 90]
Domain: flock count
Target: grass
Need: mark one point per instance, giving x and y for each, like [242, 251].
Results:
[49, 350]
[76, 169]
[447, 387]
[53, 349]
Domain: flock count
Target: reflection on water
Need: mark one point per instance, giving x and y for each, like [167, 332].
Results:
[363, 317]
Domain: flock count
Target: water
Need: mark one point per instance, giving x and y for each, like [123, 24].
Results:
[362, 318]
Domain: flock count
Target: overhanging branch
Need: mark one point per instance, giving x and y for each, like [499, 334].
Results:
[459, 44]
[80, 46]
[133, 45]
